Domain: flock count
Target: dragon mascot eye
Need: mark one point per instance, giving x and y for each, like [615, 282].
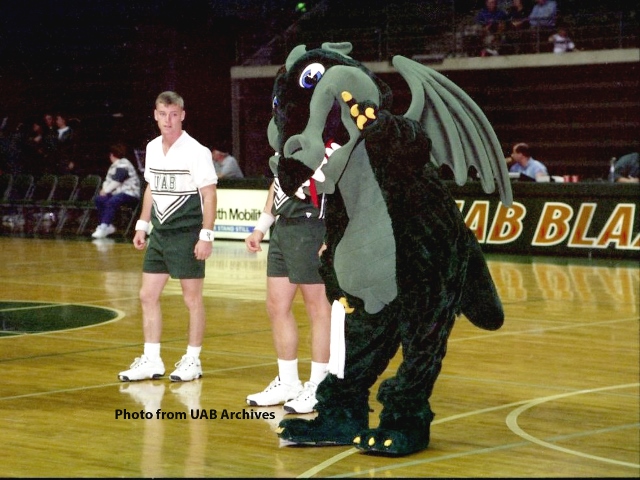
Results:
[311, 75]
[400, 265]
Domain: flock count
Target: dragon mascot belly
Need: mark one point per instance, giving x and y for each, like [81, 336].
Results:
[400, 264]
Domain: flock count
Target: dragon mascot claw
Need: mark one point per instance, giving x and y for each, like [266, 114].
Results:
[400, 264]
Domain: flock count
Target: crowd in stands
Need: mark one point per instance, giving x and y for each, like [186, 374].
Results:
[517, 27]
[55, 144]
[40, 145]
[458, 28]
[50, 146]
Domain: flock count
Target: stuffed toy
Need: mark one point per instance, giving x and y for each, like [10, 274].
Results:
[400, 264]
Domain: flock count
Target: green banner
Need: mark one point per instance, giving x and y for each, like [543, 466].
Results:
[583, 219]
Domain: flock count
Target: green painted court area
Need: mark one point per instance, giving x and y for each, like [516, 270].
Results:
[19, 318]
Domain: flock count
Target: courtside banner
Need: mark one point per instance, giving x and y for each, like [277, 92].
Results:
[238, 212]
[585, 219]
[579, 219]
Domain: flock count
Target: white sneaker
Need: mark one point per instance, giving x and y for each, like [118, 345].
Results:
[147, 394]
[305, 401]
[142, 368]
[109, 230]
[100, 231]
[275, 394]
[187, 369]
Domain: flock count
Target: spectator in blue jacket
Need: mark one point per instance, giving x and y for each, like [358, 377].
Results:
[493, 21]
[525, 164]
[543, 14]
[121, 186]
[542, 20]
[627, 168]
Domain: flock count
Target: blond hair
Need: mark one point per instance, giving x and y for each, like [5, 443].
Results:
[170, 98]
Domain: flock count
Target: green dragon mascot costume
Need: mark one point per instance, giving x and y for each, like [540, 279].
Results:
[400, 263]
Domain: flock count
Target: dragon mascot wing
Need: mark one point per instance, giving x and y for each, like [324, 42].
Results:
[462, 136]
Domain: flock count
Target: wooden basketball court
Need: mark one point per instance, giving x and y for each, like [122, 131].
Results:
[554, 393]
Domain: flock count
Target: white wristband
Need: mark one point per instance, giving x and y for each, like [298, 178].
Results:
[206, 235]
[264, 222]
[142, 225]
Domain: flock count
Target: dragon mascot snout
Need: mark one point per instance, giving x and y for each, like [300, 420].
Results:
[400, 264]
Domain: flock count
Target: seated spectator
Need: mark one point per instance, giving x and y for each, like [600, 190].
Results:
[525, 164]
[516, 39]
[561, 41]
[543, 14]
[121, 186]
[542, 20]
[225, 164]
[493, 22]
[518, 15]
[627, 168]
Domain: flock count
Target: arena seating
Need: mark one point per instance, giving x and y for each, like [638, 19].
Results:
[54, 205]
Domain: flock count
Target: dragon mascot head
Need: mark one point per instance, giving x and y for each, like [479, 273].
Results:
[400, 264]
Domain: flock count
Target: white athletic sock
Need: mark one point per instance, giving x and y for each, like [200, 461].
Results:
[288, 371]
[193, 351]
[152, 351]
[318, 372]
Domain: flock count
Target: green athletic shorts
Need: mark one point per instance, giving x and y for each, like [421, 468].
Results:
[172, 252]
[293, 249]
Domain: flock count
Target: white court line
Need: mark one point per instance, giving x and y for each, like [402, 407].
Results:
[544, 329]
[318, 468]
[525, 404]
[373, 472]
[512, 422]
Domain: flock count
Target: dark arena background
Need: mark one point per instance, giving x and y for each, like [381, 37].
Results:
[553, 393]
[102, 63]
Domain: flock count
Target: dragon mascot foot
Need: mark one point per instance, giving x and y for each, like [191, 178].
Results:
[396, 437]
[330, 427]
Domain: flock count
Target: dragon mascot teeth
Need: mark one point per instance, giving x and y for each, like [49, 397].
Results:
[400, 264]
